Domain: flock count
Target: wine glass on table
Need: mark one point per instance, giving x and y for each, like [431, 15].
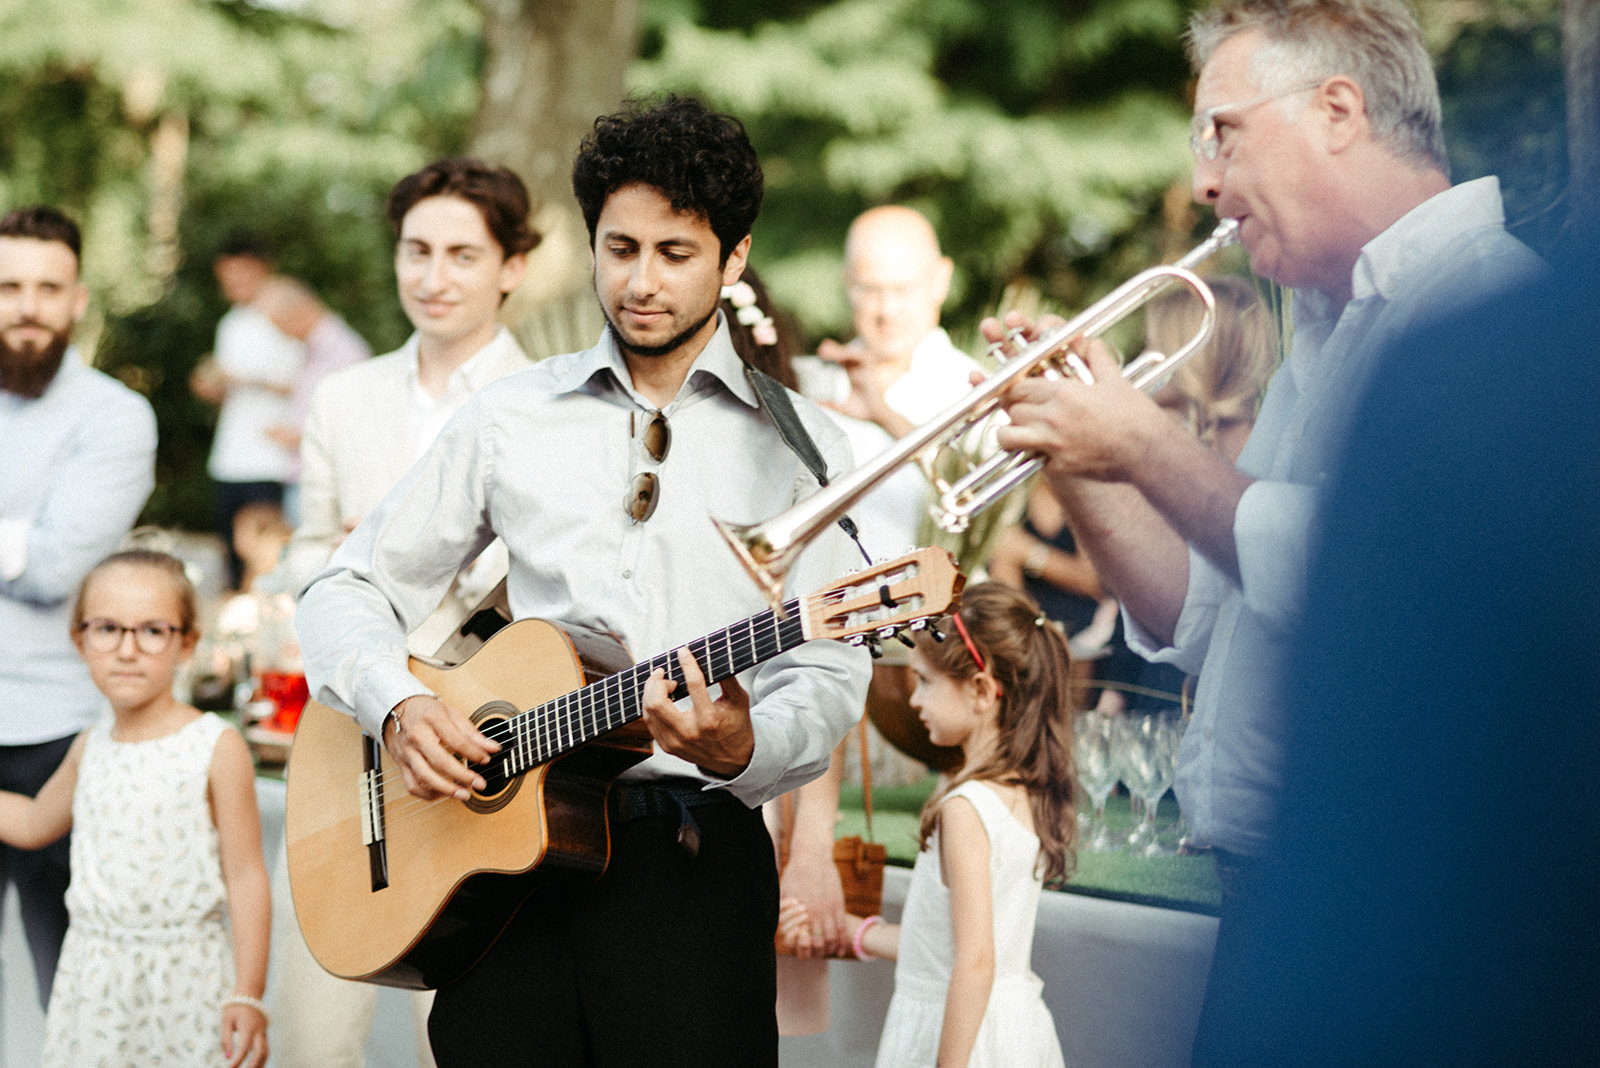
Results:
[1148, 744]
[1093, 757]
[1138, 745]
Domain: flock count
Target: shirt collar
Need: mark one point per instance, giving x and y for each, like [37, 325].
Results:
[1411, 244]
[936, 341]
[479, 370]
[717, 364]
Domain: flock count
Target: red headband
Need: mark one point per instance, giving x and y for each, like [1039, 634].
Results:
[967, 638]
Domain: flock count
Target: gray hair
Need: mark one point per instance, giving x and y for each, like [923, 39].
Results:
[1375, 42]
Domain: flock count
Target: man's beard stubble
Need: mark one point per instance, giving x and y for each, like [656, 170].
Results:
[672, 344]
[29, 370]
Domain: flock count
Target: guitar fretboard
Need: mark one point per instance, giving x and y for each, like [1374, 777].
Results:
[543, 733]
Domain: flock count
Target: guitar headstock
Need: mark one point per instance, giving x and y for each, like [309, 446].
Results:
[922, 585]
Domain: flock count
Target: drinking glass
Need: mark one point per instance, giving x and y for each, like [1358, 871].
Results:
[1148, 758]
[1092, 755]
[1149, 748]
[281, 676]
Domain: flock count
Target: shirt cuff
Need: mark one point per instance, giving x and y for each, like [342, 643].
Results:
[13, 548]
[378, 696]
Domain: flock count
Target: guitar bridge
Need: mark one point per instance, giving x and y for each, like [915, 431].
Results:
[370, 785]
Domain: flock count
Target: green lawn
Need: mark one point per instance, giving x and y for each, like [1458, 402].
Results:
[1187, 882]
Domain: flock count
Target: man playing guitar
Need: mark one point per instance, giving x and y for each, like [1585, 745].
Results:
[598, 470]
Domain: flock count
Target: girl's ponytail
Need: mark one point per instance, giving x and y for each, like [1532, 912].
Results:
[1026, 654]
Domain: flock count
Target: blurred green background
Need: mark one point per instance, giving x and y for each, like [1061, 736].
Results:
[1046, 139]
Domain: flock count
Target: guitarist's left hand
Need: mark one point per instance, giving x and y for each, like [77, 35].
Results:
[716, 735]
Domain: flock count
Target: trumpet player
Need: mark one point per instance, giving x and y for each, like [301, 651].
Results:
[1316, 126]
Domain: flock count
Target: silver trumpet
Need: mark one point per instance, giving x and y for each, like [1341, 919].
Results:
[769, 548]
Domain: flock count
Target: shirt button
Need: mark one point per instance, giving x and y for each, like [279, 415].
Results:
[627, 574]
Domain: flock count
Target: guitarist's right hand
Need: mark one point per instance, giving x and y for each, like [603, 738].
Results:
[436, 746]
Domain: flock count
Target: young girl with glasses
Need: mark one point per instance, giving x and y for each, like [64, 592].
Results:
[169, 896]
[993, 833]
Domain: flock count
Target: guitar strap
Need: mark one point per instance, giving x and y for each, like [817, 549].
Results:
[775, 402]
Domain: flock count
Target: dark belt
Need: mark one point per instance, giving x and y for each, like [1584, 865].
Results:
[630, 801]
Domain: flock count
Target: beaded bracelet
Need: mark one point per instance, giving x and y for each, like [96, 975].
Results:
[248, 1002]
[855, 939]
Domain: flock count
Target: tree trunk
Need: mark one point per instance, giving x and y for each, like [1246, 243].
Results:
[1580, 47]
[552, 67]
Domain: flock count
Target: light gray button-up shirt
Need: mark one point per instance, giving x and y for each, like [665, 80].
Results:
[1446, 253]
[543, 458]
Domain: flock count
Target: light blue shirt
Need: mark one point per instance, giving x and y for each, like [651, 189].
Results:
[543, 458]
[79, 463]
[1447, 253]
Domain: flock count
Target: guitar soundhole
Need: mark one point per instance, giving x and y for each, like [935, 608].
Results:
[498, 789]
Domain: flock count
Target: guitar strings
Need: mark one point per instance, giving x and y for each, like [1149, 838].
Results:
[762, 628]
[766, 626]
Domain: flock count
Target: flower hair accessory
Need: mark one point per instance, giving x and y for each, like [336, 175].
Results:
[743, 298]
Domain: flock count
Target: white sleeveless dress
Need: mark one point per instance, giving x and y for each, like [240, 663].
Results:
[148, 957]
[1017, 1030]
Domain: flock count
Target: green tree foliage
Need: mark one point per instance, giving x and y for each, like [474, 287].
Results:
[1500, 75]
[281, 120]
[1045, 138]
[1038, 136]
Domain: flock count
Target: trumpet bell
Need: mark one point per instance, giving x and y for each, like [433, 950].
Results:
[765, 562]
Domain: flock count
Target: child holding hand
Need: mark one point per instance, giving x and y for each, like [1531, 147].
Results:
[169, 893]
[993, 833]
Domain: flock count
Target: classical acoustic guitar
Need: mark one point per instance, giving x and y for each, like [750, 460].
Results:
[392, 889]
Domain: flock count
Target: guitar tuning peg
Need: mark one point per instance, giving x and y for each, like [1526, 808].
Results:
[905, 640]
[887, 601]
[938, 635]
[874, 646]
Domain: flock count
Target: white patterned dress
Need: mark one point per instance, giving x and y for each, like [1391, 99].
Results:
[1017, 1030]
[148, 956]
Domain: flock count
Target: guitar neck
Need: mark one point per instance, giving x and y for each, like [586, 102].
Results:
[543, 733]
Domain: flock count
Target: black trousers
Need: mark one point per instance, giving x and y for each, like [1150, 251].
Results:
[40, 876]
[1218, 1042]
[666, 960]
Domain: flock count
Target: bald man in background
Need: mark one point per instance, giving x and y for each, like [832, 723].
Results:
[900, 370]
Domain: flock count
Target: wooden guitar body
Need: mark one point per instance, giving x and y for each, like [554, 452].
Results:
[392, 889]
[459, 869]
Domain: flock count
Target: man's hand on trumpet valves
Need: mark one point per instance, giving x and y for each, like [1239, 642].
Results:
[1101, 431]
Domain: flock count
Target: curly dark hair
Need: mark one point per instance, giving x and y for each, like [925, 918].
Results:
[702, 161]
[496, 191]
[43, 223]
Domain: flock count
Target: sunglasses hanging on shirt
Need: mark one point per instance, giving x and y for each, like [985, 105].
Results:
[644, 489]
